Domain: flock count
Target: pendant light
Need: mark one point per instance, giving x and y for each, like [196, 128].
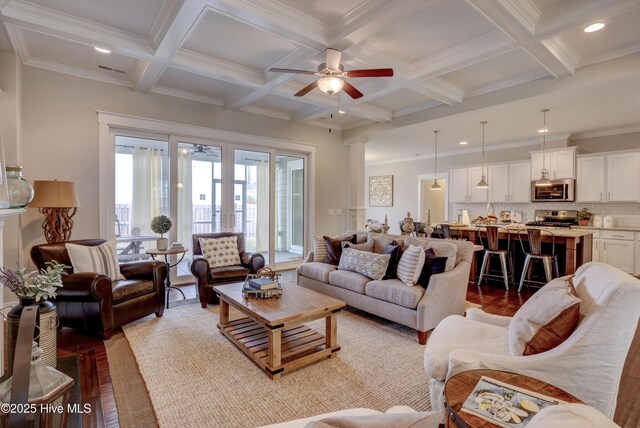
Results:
[483, 184]
[544, 181]
[436, 185]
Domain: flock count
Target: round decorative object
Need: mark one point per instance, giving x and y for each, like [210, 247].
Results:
[20, 190]
[46, 329]
[266, 273]
[162, 243]
[407, 225]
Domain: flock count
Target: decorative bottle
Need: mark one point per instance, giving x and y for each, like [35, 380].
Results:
[20, 190]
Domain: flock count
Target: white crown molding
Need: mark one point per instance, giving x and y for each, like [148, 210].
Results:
[217, 68]
[77, 72]
[559, 48]
[508, 82]
[524, 11]
[266, 112]
[165, 17]
[187, 95]
[468, 53]
[416, 108]
[609, 55]
[606, 132]
[357, 124]
[441, 90]
[18, 43]
[325, 125]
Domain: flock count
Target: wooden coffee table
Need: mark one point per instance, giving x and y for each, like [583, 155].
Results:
[273, 334]
[460, 386]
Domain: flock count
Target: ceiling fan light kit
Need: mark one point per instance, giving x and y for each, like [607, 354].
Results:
[332, 76]
[544, 180]
[483, 184]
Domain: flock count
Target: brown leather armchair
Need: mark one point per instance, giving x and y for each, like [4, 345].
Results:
[92, 302]
[207, 277]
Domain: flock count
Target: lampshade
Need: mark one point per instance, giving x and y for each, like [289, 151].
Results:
[483, 184]
[544, 180]
[435, 185]
[330, 85]
[54, 194]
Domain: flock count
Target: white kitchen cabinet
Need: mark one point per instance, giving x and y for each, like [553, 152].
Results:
[637, 263]
[617, 249]
[622, 177]
[474, 175]
[590, 181]
[498, 176]
[520, 182]
[458, 185]
[559, 162]
[596, 245]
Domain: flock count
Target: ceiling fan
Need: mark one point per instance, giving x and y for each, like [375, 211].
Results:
[332, 75]
[203, 150]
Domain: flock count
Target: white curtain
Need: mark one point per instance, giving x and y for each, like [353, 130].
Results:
[185, 204]
[147, 188]
[262, 208]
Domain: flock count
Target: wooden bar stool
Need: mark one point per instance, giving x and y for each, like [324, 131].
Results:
[492, 249]
[549, 261]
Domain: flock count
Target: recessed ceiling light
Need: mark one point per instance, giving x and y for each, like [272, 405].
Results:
[464, 143]
[594, 27]
[102, 50]
[341, 111]
[542, 131]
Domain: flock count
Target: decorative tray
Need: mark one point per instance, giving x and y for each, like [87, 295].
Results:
[249, 292]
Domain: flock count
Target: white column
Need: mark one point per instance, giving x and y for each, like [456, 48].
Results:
[357, 209]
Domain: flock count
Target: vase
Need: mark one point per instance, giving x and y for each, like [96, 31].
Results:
[162, 243]
[45, 333]
[584, 222]
[20, 190]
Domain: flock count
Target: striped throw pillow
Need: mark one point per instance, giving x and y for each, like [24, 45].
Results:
[319, 249]
[369, 264]
[410, 265]
[99, 259]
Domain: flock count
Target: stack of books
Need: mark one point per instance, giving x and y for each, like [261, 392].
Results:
[262, 284]
[177, 246]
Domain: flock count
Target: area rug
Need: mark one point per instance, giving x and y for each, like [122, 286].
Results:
[196, 377]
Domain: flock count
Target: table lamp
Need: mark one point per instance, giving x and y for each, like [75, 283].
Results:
[58, 201]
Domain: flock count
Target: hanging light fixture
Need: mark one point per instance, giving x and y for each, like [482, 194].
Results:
[483, 184]
[436, 185]
[544, 180]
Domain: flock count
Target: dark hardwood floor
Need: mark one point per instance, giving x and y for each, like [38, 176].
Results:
[493, 298]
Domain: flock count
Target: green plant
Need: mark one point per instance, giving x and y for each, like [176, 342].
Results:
[584, 214]
[36, 285]
[161, 224]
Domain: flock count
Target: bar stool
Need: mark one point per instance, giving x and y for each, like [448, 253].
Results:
[549, 261]
[492, 249]
[446, 231]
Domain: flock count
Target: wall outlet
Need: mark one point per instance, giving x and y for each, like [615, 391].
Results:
[331, 211]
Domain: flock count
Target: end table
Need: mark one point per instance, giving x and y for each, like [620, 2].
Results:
[459, 387]
[166, 253]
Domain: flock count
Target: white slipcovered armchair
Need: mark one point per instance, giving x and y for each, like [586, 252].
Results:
[588, 364]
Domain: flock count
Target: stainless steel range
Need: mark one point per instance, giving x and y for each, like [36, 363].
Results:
[559, 218]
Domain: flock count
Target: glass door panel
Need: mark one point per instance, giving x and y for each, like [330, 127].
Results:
[251, 200]
[290, 202]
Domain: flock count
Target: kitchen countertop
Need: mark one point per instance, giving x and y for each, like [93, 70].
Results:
[621, 229]
[557, 231]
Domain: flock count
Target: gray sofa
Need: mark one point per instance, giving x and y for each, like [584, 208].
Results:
[414, 306]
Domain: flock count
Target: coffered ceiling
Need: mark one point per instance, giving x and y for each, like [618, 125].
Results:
[219, 51]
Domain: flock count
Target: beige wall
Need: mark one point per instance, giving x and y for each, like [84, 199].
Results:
[60, 141]
[433, 200]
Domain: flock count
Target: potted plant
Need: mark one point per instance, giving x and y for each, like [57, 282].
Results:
[584, 216]
[161, 224]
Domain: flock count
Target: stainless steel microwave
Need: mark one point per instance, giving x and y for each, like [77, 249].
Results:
[560, 190]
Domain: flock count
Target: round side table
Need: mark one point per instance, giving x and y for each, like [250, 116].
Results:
[459, 387]
[166, 253]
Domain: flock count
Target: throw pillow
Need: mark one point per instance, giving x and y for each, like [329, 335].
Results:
[100, 259]
[369, 264]
[441, 247]
[334, 248]
[365, 246]
[433, 265]
[319, 249]
[545, 320]
[221, 252]
[410, 265]
[394, 250]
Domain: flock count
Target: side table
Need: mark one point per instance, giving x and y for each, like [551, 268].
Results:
[459, 387]
[166, 253]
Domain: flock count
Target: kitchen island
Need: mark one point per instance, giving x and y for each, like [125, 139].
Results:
[573, 246]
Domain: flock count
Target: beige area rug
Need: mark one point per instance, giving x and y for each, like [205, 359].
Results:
[197, 378]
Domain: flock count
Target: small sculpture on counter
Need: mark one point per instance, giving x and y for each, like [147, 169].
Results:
[407, 227]
[385, 226]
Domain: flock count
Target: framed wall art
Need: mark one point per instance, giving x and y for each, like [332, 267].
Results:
[381, 191]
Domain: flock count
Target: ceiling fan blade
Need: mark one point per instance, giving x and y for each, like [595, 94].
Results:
[372, 72]
[333, 58]
[306, 89]
[351, 90]
[290, 70]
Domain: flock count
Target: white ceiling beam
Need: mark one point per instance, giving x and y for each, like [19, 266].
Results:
[516, 24]
[182, 24]
[560, 49]
[276, 18]
[217, 68]
[368, 19]
[53, 23]
[576, 14]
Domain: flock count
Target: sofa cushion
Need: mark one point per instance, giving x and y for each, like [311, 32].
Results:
[395, 291]
[545, 320]
[433, 265]
[395, 252]
[364, 246]
[334, 248]
[349, 280]
[456, 332]
[131, 288]
[410, 265]
[228, 272]
[97, 259]
[319, 249]
[318, 271]
[371, 265]
[441, 247]
[221, 252]
[381, 240]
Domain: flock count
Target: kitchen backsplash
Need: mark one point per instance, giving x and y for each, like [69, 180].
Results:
[624, 215]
